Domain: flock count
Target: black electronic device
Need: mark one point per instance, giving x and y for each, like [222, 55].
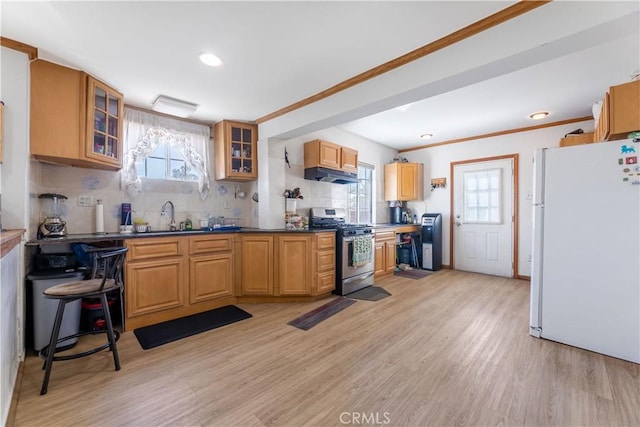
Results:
[432, 241]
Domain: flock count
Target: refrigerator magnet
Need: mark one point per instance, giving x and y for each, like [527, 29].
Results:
[625, 179]
[632, 160]
[626, 170]
[621, 161]
[627, 149]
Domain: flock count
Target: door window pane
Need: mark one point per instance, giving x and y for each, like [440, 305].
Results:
[481, 196]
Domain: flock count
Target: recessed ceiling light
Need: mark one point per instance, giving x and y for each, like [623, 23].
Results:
[426, 135]
[538, 116]
[210, 59]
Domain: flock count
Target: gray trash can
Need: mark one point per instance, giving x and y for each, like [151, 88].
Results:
[44, 309]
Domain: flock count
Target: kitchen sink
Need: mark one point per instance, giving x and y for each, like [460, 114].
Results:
[195, 231]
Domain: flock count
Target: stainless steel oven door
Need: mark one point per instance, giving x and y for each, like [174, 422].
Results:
[348, 270]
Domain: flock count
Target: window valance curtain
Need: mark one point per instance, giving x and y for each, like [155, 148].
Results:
[143, 132]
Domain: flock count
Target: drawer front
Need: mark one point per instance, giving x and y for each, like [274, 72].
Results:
[326, 282]
[140, 249]
[325, 241]
[326, 260]
[385, 235]
[204, 244]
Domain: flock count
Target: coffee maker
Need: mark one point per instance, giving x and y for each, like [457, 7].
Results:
[53, 225]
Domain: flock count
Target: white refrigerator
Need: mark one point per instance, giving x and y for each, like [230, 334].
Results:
[585, 277]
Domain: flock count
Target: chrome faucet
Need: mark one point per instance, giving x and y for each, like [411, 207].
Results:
[163, 212]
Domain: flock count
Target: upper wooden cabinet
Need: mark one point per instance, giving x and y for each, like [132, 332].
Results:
[620, 112]
[75, 119]
[404, 181]
[318, 153]
[235, 148]
[349, 159]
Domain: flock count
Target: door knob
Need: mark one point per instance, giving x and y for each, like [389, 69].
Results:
[458, 224]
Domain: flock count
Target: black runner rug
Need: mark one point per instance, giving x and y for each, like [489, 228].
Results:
[173, 330]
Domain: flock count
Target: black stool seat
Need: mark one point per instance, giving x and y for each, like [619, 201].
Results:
[113, 261]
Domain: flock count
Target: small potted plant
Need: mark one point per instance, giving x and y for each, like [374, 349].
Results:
[141, 225]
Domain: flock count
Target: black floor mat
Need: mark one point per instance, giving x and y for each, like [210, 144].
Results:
[414, 274]
[371, 293]
[173, 330]
[312, 318]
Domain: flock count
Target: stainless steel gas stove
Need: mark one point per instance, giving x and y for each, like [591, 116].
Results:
[352, 272]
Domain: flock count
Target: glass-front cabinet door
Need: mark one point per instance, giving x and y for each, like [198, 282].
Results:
[241, 150]
[236, 151]
[104, 123]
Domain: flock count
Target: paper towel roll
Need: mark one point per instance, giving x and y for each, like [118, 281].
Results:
[99, 217]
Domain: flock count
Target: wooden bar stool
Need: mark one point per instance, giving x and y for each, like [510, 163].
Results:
[110, 262]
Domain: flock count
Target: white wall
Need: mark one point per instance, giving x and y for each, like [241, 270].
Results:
[316, 194]
[15, 168]
[14, 91]
[437, 162]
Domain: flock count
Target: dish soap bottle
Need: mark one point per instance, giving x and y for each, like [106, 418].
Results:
[188, 225]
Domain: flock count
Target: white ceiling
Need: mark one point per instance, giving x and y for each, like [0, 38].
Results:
[277, 53]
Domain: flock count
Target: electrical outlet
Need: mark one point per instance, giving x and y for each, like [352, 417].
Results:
[226, 204]
[85, 201]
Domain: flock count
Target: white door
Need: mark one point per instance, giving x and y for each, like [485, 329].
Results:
[483, 217]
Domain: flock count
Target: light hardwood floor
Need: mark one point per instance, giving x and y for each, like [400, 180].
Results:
[450, 349]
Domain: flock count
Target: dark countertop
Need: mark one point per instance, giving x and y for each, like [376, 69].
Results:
[92, 237]
[396, 225]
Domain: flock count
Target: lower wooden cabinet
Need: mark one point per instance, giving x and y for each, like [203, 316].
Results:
[210, 277]
[257, 264]
[294, 265]
[304, 265]
[154, 285]
[384, 253]
[325, 262]
[171, 277]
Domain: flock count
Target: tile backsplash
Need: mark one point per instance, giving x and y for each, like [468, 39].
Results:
[105, 185]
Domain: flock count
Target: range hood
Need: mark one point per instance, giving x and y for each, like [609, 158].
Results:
[330, 175]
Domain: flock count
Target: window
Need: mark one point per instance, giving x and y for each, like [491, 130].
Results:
[166, 162]
[159, 147]
[361, 196]
[481, 196]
